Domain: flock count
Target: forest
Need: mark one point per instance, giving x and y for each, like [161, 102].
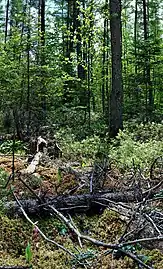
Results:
[81, 134]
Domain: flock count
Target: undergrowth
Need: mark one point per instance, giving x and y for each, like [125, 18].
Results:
[136, 145]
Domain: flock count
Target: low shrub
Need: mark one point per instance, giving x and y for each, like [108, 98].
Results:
[128, 152]
[6, 147]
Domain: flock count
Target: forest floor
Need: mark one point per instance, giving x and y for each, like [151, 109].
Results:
[58, 178]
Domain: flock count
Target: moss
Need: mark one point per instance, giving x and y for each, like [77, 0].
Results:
[109, 226]
[155, 256]
[14, 235]
[8, 259]
[107, 262]
[46, 258]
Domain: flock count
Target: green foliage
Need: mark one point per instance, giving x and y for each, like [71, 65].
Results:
[34, 181]
[82, 256]
[7, 147]
[159, 194]
[138, 146]
[59, 175]
[14, 235]
[145, 132]
[132, 248]
[145, 259]
[129, 152]
[73, 149]
[28, 254]
[61, 229]
[4, 192]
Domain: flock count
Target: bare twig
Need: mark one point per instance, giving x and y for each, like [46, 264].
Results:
[135, 258]
[152, 166]
[141, 240]
[29, 188]
[117, 203]
[153, 224]
[111, 208]
[153, 188]
[80, 236]
[68, 223]
[40, 232]
[80, 243]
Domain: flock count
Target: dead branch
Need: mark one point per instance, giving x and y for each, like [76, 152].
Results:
[32, 166]
[135, 258]
[40, 232]
[80, 236]
[71, 203]
[40, 148]
[153, 224]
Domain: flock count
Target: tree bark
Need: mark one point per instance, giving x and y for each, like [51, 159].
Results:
[149, 90]
[6, 19]
[75, 204]
[116, 98]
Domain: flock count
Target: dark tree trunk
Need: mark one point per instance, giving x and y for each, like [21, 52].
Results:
[116, 121]
[68, 85]
[28, 76]
[70, 29]
[81, 70]
[135, 34]
[42, 58]
[103, 68]
[89, 66]
[6, 23]
[149, 90]
[75, 203]
[105, 65]
[42, 13]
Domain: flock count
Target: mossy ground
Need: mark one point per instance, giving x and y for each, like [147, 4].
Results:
[15, 233]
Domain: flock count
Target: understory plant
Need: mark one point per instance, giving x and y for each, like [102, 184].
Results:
[129, 152]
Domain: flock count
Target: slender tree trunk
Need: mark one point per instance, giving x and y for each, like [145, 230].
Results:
[116, 121]
[67, 98]
[7, 19]
[89, 83]
[107, 65]
[28, 73]
[89, 55]
[149, 90]
[81, 70]
[135, 34]
[104, 68]
[42, 58]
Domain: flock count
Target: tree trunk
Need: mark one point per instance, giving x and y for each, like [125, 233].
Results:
[135, 35]
[28, 73]
[149, 90]
[73, 203]
[6, 23]
[103, 68]
[116, 121]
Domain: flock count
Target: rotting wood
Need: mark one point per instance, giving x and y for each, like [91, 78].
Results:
[41, 145]
[32, 166]
[74, 204]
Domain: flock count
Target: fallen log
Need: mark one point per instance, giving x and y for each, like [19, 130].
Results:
[41, 145]
[74, 204]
